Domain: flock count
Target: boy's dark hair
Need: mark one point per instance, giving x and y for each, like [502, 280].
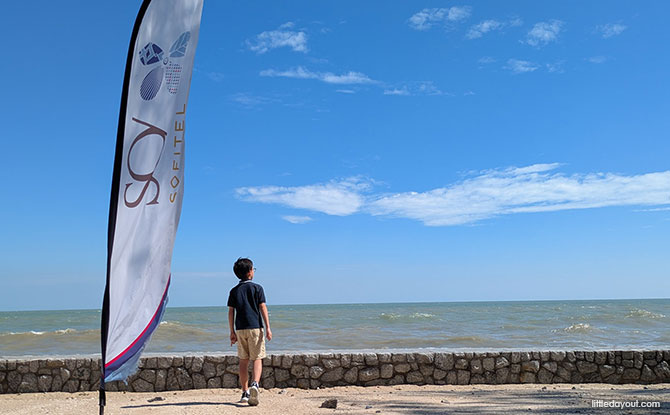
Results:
[242, 268]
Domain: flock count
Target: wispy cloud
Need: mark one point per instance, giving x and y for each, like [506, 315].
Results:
[345, 91]
[486, 26]
[426, 18]
[597, 59]
[556, 67]
[297, 220]
[337, 197]
[610, 29]
[543, 33]
[519, 66]
[249, 100]
[484, 60]
[415, 88]
[216, 76]
[488, 194]
[281, 37]
[328, 77]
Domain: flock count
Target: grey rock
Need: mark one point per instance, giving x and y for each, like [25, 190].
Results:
[438, 374]
[627, 355]
[234, 369]
[631, 374]
[515, 368]
[55, 363]
[476, 366]
[214, 383]
[332, 375]
[557, 356]
[662, 370]
[501, 362]
[402, 368]
[221, 369]
[276, 360]
[647, 374]
[489, 364]
[314, 384]
[71, 386]
[371, 359]
[315, 372]
[351, 375]
[64, 374]
[544, 356]
[197, 364]
[424, 358]
[600, 358]
[303, 383]
[628, 363]
[286, 362]
[172, 384]
[550, 366]
[28, 383]
[426, 370]
[161, 379]
[358, 358]
[230, 380]
[34, 365]
[502, 375]
[606, 370]
[544, 376]
[386, 371]
[149, 375]
[461, 364]
[463, 377]
[178, 361]
[527, 377]
[329, 364]
[300, 372]
[384, 357]
[23, 368]
[345, 360]
[570, 356]
[188, 362]
[367, 374]
[399, 358]
[515, 357]
[444, 361]
[589, 356]
[530, 366]
[150, 363]
[57, 384]
[184, 379]
[416, 377]
[586, 367]
[313, 359]
[141, 385]
[208, 369]
[329, 403]
[281, 375]
[452, 378]
[164, 362]
[199, 381]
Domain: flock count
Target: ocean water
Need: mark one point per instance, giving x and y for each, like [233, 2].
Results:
[471, 326]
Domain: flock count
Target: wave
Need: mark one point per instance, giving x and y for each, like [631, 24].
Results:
[642, 314]
[407, 317]
[576, 328]
[30, 333]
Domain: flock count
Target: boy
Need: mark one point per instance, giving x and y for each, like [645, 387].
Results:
[246, 303]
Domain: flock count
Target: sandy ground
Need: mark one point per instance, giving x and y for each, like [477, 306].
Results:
[401, 399]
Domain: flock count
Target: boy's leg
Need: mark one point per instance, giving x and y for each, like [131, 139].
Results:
[257, 370]
[244, 374]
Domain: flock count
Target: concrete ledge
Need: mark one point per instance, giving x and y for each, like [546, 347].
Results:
[340, 369]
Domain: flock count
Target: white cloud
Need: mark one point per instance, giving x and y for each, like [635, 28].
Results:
[249, 100]
[518, 66]
[482, 28]
[610, 29]
[486, 60]
[298, 220]
[345, 91]
[281, 37]
[556, 67]
[488, 194]
[426, 18]
[597, 59]
[531, 189]
[328, 77]
[544, 32]
[415, 88]
[337, 197]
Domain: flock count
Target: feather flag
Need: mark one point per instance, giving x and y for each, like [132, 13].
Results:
[148, 180]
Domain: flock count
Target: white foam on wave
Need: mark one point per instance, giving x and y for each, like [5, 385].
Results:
[642, 313]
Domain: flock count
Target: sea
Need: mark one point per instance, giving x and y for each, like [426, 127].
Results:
[448, 326]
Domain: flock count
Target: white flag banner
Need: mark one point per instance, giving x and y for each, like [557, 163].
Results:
[148, 180]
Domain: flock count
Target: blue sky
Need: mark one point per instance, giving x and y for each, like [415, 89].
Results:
[357, 152]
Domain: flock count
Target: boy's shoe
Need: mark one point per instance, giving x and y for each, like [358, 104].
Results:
[245, 397]
[253, 394]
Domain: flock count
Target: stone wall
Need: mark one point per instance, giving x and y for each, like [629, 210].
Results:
[337, 369]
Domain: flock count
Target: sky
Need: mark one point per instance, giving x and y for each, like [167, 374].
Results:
[355, 151]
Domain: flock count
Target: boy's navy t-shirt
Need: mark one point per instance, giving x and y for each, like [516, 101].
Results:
[246, 297]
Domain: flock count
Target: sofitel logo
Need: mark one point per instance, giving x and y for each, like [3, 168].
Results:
[152, 54]
[146, 178]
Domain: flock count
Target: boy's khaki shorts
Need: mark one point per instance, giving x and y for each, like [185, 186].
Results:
[250, 344]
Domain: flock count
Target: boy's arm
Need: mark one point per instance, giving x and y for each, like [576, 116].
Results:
[266, 319]
[231, 323]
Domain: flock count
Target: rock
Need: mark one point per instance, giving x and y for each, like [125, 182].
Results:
[329, 403]
[515, 368]
[371, 359]
[416, 377]
[300, 371]
[351, 376]
[463, 377]
[64, 374]
[557, 356]
[56, 384]
[303, 383]
[606, 370]
[234, 369]
[286, 362]
[214, 383]
[527, 377]
[386, 371]
[502, 375]
[197, 364]
[384, 357]
[345, 360]
[444, 361]
[662, 370]
[647, 374]
[199, 381]
[161, 379]
[71, 386]
[164, 362]
[544, 376]
[424, 358]
[315, 372]
[149, 375]
[501, 362]
[156, 399]
[530, 366]
[476, 366]
[489, 364]
[426, 370]
[230, 381]
[551, 366]
[28, 383]
[586, 367]
[332, 375]
[600, 358]
[367, 374]
[631, 374]
[402, 368]
[438, 374]
[461, 364]
[13, 381]
[178, 362]
[141, 385]
[185, 381]
[452, 377]
[329, 364]
[44, 383]
[399, 358]
[281, 375]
